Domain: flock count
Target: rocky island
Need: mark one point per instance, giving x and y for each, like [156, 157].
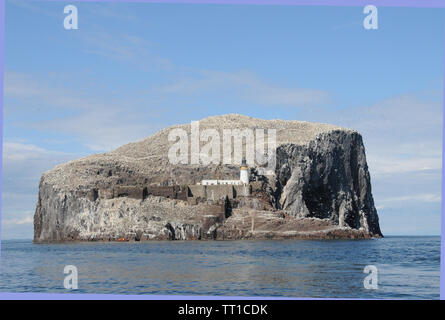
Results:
[319, 188]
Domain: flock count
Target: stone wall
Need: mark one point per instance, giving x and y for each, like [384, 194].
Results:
[134, 192]
[139, 192]
[197, 191]
[219, 192]
[193, 194]
[172, 192]
[243, 190]
[212, 192]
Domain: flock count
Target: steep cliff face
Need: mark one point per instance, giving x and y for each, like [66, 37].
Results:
[328, 178]
[320, 189]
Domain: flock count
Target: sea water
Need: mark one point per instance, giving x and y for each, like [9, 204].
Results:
[407, 267]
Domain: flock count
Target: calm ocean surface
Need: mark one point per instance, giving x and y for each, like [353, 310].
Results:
[408, 267]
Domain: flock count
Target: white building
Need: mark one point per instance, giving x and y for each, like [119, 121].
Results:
[244, 178]
[215, 182]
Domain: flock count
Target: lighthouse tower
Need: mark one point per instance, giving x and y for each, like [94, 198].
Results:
[244, 173]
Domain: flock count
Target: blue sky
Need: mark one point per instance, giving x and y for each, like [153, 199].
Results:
[132, 69]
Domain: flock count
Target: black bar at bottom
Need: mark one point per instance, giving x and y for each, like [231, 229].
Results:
[219, 309]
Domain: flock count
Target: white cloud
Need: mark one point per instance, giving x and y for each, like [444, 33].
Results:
[37, 94]
[426, 197]
[23, 165]
[380, 165]
[402, 134]
[100, 124]
[25, 220]
[103, 130]
[407, 119]
[15, 152]
[104, 123]
[403, 141]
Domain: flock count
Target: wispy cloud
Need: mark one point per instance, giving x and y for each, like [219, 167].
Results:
[36, 93]
[103, 129]
[23, 164]
[14, 151]
[35, 7]
[426, 197]
[405, 115]
[130, 48]
[245, 85]
[403, 140]
[112, 11]
[25, 220]
[401, 134]
[387, 165]
[102, 122]
[121, 46]
[99, 123]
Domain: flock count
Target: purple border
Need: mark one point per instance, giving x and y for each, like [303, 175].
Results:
[69, 296]
[336, 3]
[442, 244]
[2, 44]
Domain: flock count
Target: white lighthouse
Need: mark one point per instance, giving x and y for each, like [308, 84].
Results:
[244, 173]
[243, 178]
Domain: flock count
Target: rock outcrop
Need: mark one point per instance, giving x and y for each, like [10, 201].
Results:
[319, 189]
